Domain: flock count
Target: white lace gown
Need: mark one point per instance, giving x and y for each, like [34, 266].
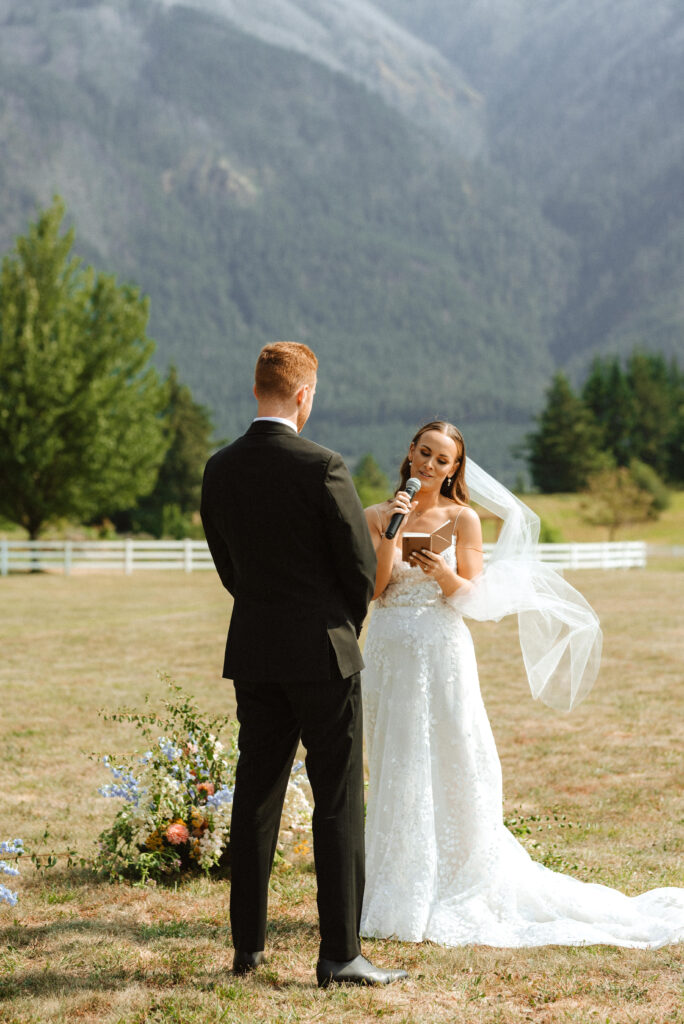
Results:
[440, 863]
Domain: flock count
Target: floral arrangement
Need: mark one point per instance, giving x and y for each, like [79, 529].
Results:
[178, 795]
[15, 847]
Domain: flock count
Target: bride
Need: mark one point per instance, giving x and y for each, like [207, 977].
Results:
[440, 863]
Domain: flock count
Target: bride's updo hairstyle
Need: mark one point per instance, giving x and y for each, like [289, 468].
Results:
[457, 491]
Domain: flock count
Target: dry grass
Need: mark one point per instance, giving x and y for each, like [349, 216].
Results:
[562, 511]
[76, 949]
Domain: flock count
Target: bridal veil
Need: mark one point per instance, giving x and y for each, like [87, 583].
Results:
[560, 635]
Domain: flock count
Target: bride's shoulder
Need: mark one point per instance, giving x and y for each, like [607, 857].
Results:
[465, 520]
[377, 514]
[382, 506]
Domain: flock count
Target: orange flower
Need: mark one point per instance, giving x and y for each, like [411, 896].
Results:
[177, 833]
[154, 841]
[198, 821]
[206, 787]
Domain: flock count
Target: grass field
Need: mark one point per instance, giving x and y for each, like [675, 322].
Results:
[562, 512]
[606, 782]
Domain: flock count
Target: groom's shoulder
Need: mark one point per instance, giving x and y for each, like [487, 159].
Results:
[313, 450]
[287, 443]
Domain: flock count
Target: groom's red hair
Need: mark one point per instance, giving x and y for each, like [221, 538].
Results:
[282, 368]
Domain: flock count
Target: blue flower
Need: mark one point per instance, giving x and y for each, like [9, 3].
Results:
[125, 787]
[8, 897]
[9, 846]
[220, 797]
[168, 749]
[12, 846]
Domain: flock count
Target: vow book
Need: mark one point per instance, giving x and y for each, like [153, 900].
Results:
[439, 540]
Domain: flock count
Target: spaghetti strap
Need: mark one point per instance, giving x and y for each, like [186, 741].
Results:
[456, 518]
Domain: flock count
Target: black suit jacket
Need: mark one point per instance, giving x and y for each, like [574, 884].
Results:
[289, 540]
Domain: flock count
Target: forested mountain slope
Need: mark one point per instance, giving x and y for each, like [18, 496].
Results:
[585, 109]
[443, 210]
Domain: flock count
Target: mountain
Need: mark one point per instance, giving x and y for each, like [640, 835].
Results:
[356, 39]
[585, 107]
[445, 199]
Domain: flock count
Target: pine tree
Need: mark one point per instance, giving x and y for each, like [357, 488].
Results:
[675, 444]
[607, 394]
[653, 386]
[565, 449]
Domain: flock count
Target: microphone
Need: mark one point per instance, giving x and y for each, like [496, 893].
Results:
[412, 488]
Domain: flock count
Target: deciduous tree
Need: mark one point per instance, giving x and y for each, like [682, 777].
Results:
[614, 498]
[81, 427]
[372, 486]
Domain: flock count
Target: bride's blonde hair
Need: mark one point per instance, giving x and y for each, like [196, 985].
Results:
[457, 490]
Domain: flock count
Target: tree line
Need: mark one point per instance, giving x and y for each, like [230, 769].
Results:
[89, 430]
[620, 441]
[623, 414]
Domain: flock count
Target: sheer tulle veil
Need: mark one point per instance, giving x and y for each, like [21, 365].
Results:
[560, 635]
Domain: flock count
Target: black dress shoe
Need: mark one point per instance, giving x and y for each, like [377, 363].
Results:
[243, 962]
[358, 971]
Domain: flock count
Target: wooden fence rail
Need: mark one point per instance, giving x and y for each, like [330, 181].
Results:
[67, 556]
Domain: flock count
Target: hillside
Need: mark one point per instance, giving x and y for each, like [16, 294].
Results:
[389, 182]
[585, 107]
[255, 194]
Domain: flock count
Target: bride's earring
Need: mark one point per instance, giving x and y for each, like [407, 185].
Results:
[449, 479]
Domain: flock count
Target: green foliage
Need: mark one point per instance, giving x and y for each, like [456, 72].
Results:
[566, 446]
[655, 387]
[167, 511]
[646, 478]
[640, 410]
[265, 195]
[372, 486]
[549, 534]
[80, 408]
[614, 498]
[177, 796]
[607, 394]
[632, 417]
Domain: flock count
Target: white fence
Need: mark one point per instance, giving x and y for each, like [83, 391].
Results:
[126, 556]
[129, 556]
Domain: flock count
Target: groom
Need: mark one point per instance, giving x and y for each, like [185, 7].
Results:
[290, 543]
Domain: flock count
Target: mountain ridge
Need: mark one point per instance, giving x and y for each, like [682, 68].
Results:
[255, 192]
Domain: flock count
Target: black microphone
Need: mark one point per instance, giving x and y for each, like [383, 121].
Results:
[412, 488]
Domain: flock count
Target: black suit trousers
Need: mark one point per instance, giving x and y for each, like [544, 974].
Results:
[327, 716]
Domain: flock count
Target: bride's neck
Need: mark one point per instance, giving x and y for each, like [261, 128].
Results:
[427, 502]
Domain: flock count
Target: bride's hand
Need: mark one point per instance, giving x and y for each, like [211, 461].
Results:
[400, 503]
[432, 564]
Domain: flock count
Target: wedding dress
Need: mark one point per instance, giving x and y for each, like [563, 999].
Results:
[440, 863]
